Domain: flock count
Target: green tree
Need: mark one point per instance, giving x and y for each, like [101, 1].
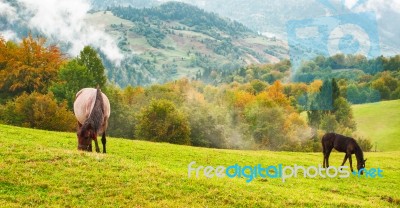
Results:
[329, 110]
[72, 77]
[344, 114]
[161, 121]
[89, 58]
[384, 91]
[258, 85]
[122, 120]
[325, 98]
[267, 125]
[329, 123]
[354, 95]
[205, 130]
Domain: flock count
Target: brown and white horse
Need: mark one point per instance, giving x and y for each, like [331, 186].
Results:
[92, 110]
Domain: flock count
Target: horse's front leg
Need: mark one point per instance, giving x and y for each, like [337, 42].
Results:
[351, 165]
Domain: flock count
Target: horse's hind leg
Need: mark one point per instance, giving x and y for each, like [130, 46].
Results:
[328, 153]
[323, 152]
[104, 141]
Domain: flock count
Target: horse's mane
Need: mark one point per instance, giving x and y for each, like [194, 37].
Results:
[358, 151]
[96, 117]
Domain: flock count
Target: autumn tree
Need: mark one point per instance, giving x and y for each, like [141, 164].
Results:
[28, 66]
[37, 110]
[275, 92]
[386, 84]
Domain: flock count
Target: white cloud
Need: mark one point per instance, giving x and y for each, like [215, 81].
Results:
[64, 21]
[7, 11]
[380, 7]
[9, 35]
[350, 3]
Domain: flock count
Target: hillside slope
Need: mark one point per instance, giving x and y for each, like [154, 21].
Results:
[176, 40]
[41, 168]
[380, 122]
[271, 17]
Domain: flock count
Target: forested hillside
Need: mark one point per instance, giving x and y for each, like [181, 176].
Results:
[177, 40]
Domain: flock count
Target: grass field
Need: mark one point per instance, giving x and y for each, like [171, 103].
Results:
[41, 168]
[380, 122]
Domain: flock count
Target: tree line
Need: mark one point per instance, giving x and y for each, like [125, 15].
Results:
[357, 81]
[38, 86]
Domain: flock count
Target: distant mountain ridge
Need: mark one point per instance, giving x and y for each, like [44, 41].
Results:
[270, 17]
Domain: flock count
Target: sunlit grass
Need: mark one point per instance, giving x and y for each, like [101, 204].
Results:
[380, 122]
[41, 168]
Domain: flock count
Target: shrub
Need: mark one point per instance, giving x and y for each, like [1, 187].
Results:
[161, 121]
[38, 111]
[364, 143]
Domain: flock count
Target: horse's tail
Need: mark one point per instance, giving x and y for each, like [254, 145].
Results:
[323, 141]
[96, 117]
[327, 140]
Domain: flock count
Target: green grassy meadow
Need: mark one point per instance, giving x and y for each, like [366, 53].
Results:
[42, 168]
[380, 122]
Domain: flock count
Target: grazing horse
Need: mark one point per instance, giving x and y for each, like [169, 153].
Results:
[342, 144]
[92, 110]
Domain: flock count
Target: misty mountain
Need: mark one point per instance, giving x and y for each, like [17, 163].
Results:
[271, 17]
[146, 45]
[176, 40]
[143, 42]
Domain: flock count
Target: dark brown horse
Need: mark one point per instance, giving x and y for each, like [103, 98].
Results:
[342, 144]
[92, 110]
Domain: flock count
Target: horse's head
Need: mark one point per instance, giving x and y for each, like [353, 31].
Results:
[85, 135]
[361, 165]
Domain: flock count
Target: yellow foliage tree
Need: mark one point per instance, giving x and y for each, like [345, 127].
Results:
[242, 98]
[28, 66]
[275, 92]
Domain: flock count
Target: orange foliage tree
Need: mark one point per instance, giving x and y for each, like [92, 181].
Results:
[275, 92]
[28, 66]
